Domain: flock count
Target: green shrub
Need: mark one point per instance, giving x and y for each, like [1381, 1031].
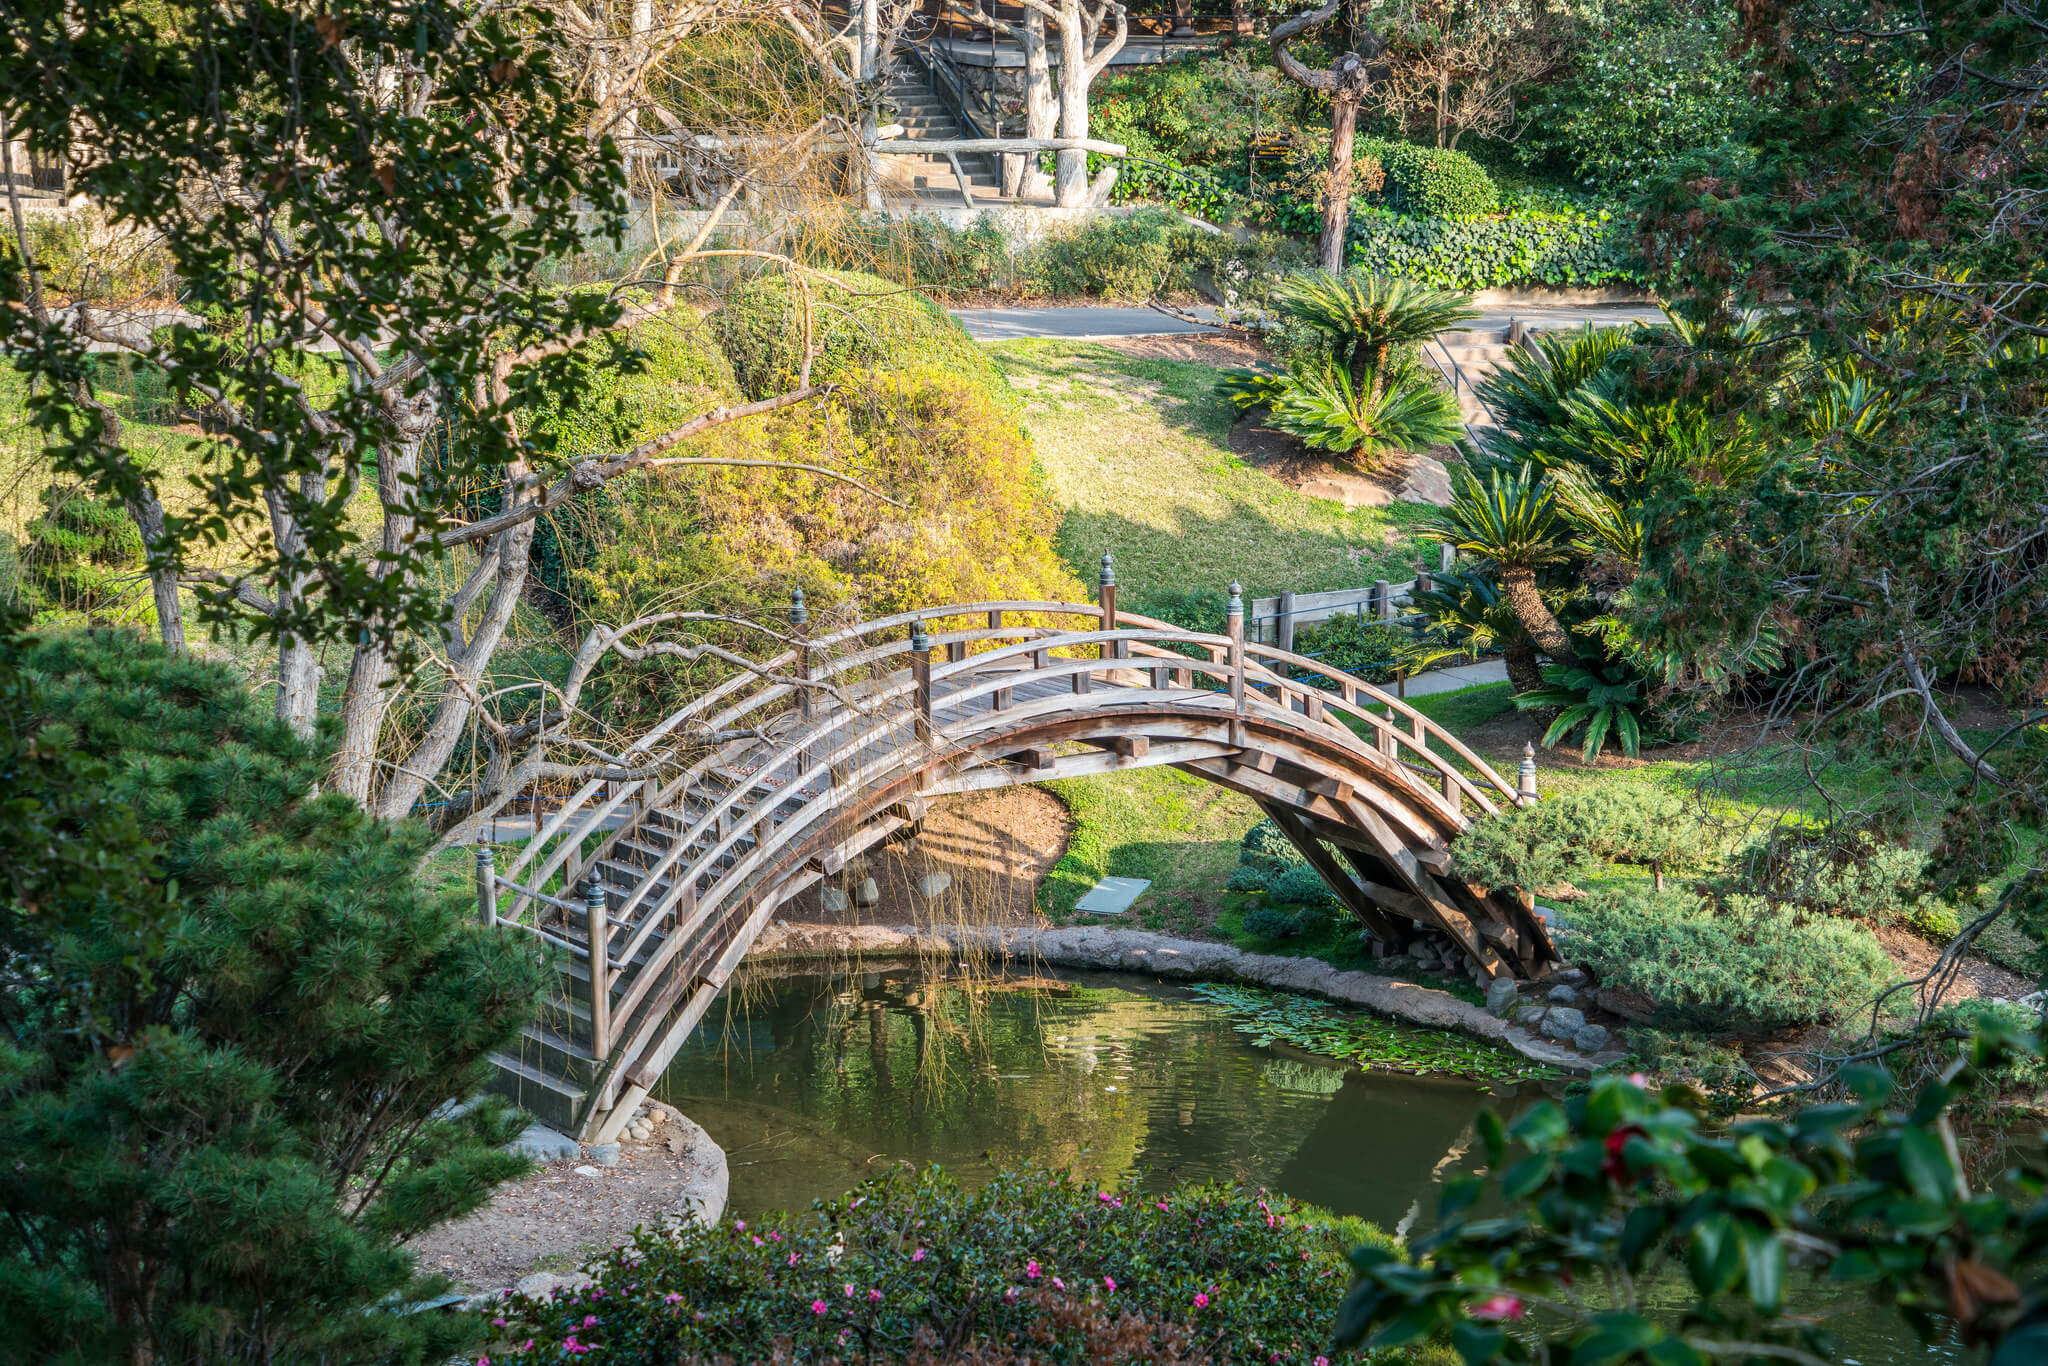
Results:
[1252, 877]
[1577, 249]
[1032, 1259]
[1301, 885]
[735, 540]
[1743, 966]
[1857, 876]
[857, 322]
[1145, 254]
[81, 256]
[1555, 840]
[81, 555]
[1266, 844]
[1270, 922]
[1371, 650]
[1432, 182]
[638, 383]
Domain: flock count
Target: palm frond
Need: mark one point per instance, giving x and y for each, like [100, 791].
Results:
[1365, 313]
[1394, 409]
[1509, 519]
[1249, 389]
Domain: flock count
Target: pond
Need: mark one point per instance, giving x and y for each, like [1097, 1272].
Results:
[813, 1083]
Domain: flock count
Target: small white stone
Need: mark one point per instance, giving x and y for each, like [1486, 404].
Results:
[587, 1171]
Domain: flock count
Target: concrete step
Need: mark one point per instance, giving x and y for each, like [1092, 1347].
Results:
[554, 1102]
[558, 1054]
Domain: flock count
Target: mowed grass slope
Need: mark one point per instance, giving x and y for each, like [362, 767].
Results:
[1137, 457]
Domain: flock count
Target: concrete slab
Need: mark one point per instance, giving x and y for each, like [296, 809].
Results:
[1113, 895]
[1451, 680]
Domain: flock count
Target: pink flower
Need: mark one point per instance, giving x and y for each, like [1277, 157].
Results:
[572, 1346]
[1058, 1284]
[1031, 1270]
[1201, 1300]
[670, 1298]
[917, 1256]
[497, 1323]
[1010, 1295]
[874, 1296]
[849, 1289]
[1638, 1079]
[740, 1224]
[1322, 1361]
[792, 1259]
[817, 1306]
[590, 1320]
[483, 1361]
[1161, 1205]
[757, 1242]
[1499, 1307]
[526, 1346]
[1109, 1282]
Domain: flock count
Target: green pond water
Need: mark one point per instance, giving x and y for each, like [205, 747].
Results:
[813, 1083]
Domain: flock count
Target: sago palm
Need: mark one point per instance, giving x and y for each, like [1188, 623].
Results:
[1467, 609]
[1369, 317]
[1513, 521]
[1604, 700]
[1527, 394]
[1394, 407]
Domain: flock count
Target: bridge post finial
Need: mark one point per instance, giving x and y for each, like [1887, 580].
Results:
[1525, 792]
[1236, 607]
[799, 615]
[486, 884]
[1106, 597]
[921, 680]
[920, 643]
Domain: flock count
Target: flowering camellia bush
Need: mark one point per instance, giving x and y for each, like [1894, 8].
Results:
[919, 1268]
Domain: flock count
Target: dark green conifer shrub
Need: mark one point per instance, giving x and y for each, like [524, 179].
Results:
[243, 1041]
[80, 553]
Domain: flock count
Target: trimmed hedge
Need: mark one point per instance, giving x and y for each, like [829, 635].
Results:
[858, 321]
[1581, 249]
[1433, 182]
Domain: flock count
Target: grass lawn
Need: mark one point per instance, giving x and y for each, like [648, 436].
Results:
[1137, 457]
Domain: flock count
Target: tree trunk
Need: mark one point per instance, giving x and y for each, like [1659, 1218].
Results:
[1337, 193]
[1518, 586]
[1070, 176]
[1524, 672]
[1021, 176]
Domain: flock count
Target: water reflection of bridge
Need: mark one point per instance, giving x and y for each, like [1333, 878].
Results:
[815, 1083]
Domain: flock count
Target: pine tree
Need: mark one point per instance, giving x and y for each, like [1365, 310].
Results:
[244, 1038]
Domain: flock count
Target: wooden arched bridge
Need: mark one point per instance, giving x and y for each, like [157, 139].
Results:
[654, 890]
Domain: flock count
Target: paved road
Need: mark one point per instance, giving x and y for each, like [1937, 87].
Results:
[1074, 324]
[1095, 323]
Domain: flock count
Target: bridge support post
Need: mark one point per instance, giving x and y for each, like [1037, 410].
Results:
[921, 677]
[1233, 626]
[599, 919]
[1284, 627]
[1106, 595]
[800, 627]
[486, 885]
[1525, 788]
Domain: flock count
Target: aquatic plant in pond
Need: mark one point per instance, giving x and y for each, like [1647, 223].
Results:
[1034, 1258]
[1268, 1017]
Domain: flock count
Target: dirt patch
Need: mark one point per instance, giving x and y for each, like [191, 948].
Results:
[1316, 474]
[1974, 980]
[1222, 350]
[992, 849]
[566, 1212]
[1503, 736]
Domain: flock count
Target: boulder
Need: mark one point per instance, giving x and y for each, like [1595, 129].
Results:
[1563, 1023]
[1501, 995]
[1564, 996]
[543, 1144]
[1528, 1014]
[1590, 1039]
[866, 893]
[542, 1284]
[833, 901]
[933, 884]
[1626, 1004]
[603, 1154]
